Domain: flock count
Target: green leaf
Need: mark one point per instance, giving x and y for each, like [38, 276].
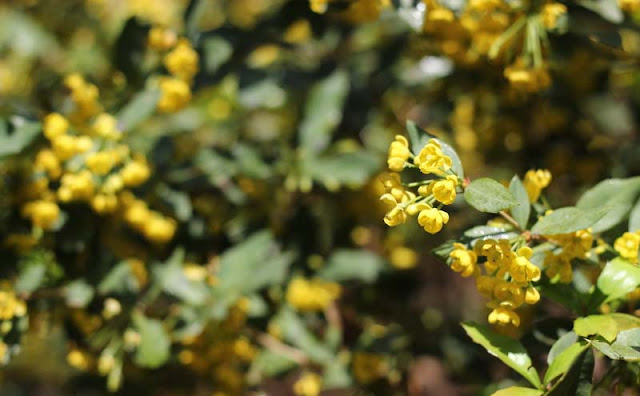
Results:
[350, 169]
[323, 112]
[253, 264]
[139, 108]
[346, 264]
[510, 351]
[271, 364]
[577, 381]
[78, 293]
[518, 391]
[563, 362]
[153, 350]
[173, 281]
[294, 331]
[489, 196]
[618, 279]
[634, 218]
[216, 52]
[336, 376]
[484, 231]
[625, 347]
[23, 133]
[31, 277]
[606, 326]
[564, 342]
[521, 211]
[119, 280]
[617, 195]
[565, 220]
[178, 200]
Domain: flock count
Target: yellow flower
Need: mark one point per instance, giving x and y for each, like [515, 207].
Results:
[298, 32]
[484, 5]
[486, 285]
[43, 214]
[531, 295]
[159, 229]
[504, 316]
[535, 181]
[182, 61]
[402, 257]
[432, 220]
[135, 173]
[464, 260]
[64, 146]
[522, 270]
[161, 39]
[78, 359]
[526, 78]
[319, 6]
[445, 190]
[175, 94]
[576, 244]
[309, 384]
[431, 159]
[551, 12]
[627, 245]
[47, 161]
[76, 186]
[558, 267]
[263, 56]
[103, 203]
[311, 295]
[101, 162]
[398, 153]
[630, 6]
[54, 125]
[509, 293]
[106, 126]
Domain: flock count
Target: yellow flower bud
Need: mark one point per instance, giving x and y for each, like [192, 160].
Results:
[159, 229]
[43, 214]
[135, 173]
[161, 39]
[309, 384]
[182, 61]
[535, 181]
[627, 246]
[531, 295]
[504, 316]
[403, 258]
[64, 146]
[48, 162]
[398, 153]
[105, 125]
[175, 94]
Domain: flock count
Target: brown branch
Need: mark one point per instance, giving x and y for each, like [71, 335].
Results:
[275, 345]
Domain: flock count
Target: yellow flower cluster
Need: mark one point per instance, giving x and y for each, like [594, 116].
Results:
[551, 12]
[85, 97]
[575, 245]
[535, 181]
[87, 162]
[312, 295]
[627, 246]
[527, 78]
[368, 367]
[11, 307]
[403, 203]
[507, 277]
[182, 63]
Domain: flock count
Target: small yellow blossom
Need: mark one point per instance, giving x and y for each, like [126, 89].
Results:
[78, 359]
[398, 153]
[445, 190]
[535, 181]
[319, 6]
[312, 295]
[182, 61]
[402, 257]
[558, 267]
[42, 214]
[47, 161]
[432, 220]
[159, 229]
[135, 173]
[263, 56]
[522, 270]
[161, 39]
[431, 159]
[463, 260]
[368, 367]
[526, 78]
[504, 316]
[54, 125]
[551, 12]
[101, 162]
[175, 94]
[105, 125]
[309, 384]
[629, 6]
[298, 32]
[627, 246]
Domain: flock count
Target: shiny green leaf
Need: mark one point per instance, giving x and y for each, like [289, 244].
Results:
[521, 211]
[489, 196]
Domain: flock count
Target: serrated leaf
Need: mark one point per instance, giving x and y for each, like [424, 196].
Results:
[510, 351]
[625, 347]
[489, 196]
[346, 264]
[618, 278]
[78, 293]
[323, 112]
[521, 211]
[518, 391]
[566, 220]
[153, 350]
[563, 361]
[139, 108]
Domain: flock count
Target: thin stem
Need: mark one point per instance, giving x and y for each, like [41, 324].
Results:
[275, 345]
[510, 220]
[506, 36]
